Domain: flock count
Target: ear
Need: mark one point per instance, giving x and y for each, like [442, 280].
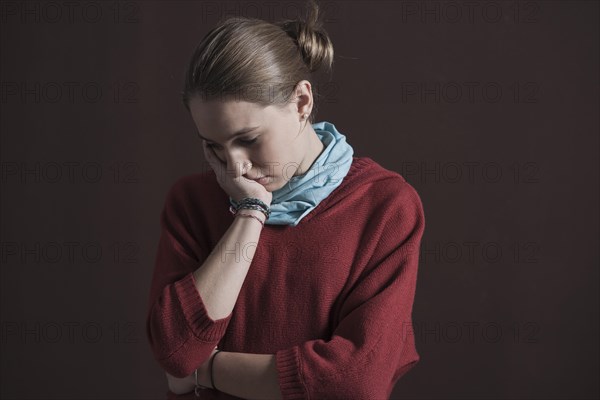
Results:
[303, 98]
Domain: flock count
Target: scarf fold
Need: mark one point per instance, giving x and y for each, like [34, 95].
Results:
[302, 193]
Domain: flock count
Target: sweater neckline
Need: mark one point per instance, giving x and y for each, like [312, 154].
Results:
[358, 165]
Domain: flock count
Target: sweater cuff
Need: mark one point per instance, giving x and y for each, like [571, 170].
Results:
[194, 310]
[289, 370]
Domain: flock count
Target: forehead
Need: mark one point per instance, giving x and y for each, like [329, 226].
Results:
[218, 119]
[223, 114]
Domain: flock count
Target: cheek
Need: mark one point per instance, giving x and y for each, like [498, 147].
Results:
[268, 156]
[277, 157]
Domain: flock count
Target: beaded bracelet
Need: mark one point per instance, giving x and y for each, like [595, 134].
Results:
[251, 203]
[252, 200]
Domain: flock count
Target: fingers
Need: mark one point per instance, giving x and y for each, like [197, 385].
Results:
[246, 167]
[219, 166]
[212, 157]
[221, 169]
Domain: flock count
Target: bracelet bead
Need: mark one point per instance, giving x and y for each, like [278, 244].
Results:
[252, 204]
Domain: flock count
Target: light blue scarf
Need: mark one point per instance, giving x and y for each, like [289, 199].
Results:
[304, 192]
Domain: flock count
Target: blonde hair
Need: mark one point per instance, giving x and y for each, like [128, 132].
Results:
[258, 61]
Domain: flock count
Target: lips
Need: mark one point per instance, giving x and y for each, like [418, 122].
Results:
[261, 179]
[257, 178]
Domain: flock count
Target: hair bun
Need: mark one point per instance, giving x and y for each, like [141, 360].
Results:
[312, 40]
[241, 54]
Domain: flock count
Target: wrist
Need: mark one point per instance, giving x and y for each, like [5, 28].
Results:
[249, 211]
[251, 206]
[205, 371]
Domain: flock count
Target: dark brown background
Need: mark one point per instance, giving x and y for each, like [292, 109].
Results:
[507, 296]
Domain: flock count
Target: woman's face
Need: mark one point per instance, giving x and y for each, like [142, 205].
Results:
[278, 147]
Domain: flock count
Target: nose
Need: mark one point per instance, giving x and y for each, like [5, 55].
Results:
[238, 163]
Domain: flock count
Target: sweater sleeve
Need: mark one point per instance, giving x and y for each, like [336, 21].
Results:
[178, 327]
[372, 346]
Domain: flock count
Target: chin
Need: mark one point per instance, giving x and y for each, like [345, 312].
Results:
[273, 186]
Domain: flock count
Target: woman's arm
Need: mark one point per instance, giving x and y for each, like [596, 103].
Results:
[219, 279]
[188, 298]
[194, 290]
[245, 375]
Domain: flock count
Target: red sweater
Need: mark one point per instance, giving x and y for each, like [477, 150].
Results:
[331, 297]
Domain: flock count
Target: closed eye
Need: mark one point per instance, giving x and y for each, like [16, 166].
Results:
[245, 142]
[248, 141]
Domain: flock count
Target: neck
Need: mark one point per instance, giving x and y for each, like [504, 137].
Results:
[315, 148]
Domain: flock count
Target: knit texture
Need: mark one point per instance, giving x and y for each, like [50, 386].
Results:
[331, 297]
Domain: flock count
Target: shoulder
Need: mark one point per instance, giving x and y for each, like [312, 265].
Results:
[390, 212]
[386, 187]
[398, 218]
[395, 210]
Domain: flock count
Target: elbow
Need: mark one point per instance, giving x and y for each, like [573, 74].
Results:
[161, 349]
[174, 370]
[178, 386]
[403, 369]
[170, 350]
[177, 368]
[180, 365]
[183, 361]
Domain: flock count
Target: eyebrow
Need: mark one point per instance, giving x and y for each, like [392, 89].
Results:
[238, 133]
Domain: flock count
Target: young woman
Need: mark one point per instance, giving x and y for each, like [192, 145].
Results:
[288, 269]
